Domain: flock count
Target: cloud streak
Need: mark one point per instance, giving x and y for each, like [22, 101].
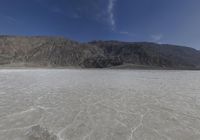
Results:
[9, 19]
[111, 15]
[100, 10]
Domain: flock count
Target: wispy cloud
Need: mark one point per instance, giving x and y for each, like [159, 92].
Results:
[8, 18]
[156, 37]
[11, 19]
[102, 11]
[111, 15]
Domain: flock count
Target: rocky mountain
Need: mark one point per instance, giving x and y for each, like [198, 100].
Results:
[60, 52]
[44, 51]
[151, 54]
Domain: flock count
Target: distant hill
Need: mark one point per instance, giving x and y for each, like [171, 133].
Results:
[60, 52]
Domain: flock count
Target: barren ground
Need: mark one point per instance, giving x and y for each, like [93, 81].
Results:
[72, 104]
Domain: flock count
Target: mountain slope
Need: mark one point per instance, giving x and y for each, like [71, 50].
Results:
[44, 51]
[151, 54]
[59, 52]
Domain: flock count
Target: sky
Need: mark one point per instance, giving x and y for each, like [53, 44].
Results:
[160, 21]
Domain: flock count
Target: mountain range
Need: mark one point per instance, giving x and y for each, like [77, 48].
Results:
[44, 51]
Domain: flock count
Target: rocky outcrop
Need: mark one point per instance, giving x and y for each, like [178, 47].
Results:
[39, 133]
[102, 62]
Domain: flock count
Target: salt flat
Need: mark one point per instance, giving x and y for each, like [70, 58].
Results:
[64, 104]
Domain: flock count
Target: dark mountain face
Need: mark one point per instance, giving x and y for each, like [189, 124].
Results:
[56, 52]
[151, 54]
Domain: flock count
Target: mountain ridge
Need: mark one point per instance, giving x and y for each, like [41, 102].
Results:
[51, 51]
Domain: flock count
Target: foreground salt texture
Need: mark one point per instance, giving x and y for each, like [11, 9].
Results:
[99, 105]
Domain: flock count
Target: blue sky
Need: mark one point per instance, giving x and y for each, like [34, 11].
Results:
[161, 21]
